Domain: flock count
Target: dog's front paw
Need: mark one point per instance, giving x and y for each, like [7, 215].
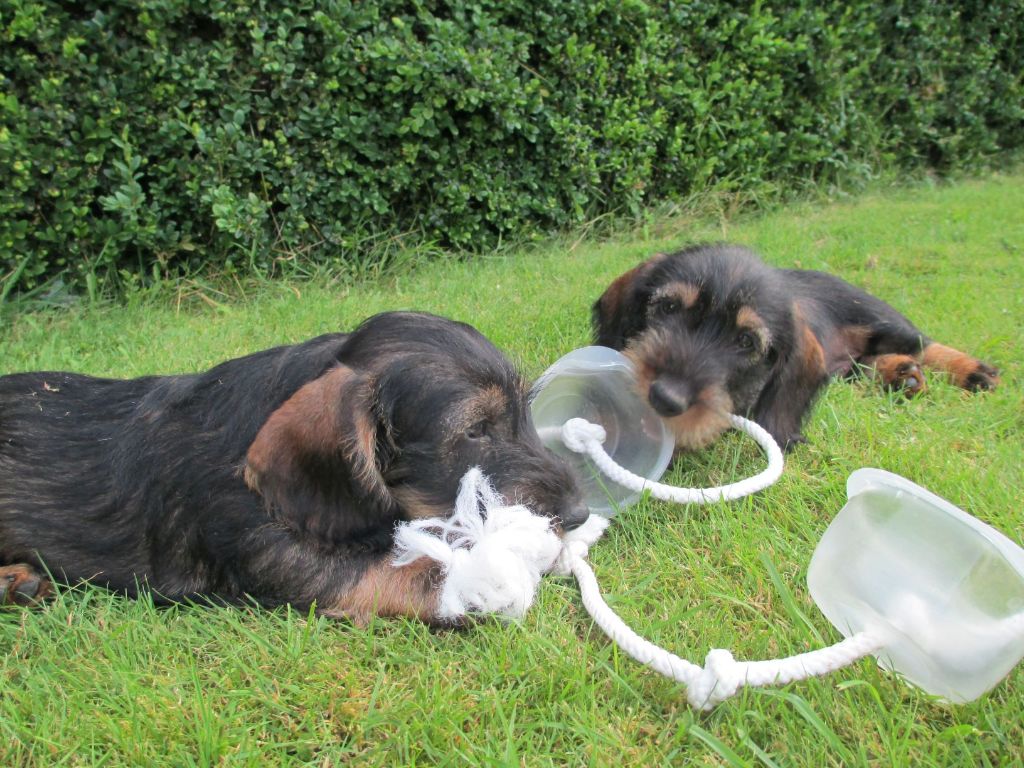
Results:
[900, 373]
[909, 379]
[790, 441]
[22, 585]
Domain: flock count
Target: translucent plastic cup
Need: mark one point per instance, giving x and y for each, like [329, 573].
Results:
[943, 588]
[597, 384]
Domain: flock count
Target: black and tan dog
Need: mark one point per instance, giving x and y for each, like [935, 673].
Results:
[277, 477]
[713, 330]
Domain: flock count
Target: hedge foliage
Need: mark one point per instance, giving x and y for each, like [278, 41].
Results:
[144, 135]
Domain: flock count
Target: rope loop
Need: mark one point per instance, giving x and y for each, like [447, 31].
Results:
[581, 436]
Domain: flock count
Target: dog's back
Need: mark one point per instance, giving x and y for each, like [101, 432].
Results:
[81, 455]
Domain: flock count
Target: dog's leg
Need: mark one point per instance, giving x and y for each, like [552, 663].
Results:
[966, 371]
[872, 333]
[23, 585]
[788, 397]
[385, 590]
[903, 371]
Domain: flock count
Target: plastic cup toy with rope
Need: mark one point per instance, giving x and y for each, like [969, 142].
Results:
[933, 593]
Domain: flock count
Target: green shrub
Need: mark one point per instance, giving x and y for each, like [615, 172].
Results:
[147, 135]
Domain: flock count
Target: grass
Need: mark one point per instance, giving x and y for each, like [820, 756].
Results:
[93, 679]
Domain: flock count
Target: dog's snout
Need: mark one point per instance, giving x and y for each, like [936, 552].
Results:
[668, 398]
[573, 516]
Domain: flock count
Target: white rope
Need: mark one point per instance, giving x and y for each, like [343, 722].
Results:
[581, 436]
[494, 554]
[721, 676]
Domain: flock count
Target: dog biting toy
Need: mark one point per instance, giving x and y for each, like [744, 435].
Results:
[933, 593]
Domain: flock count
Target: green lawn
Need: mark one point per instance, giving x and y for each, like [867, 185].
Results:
[93, 679]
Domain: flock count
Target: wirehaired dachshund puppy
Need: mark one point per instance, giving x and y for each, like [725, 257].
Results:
[277, 477]
[712, 330]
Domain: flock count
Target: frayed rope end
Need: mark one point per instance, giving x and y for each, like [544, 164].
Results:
[492, 554]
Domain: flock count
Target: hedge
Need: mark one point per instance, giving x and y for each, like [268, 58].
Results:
[147, 136]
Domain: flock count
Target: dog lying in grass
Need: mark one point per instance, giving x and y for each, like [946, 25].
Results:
[277, 477]
[713, 330]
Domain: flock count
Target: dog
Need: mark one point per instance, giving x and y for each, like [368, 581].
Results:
[713, 330]
[277, 478]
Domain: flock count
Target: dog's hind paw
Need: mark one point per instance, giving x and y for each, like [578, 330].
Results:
[983, 378]
[22, 585]
[966, 371]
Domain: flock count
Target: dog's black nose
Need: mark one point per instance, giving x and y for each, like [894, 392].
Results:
[574, 516]
[668, 399]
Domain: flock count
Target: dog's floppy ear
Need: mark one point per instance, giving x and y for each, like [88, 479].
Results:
[620, 313]
[798, 376]
[316, 460]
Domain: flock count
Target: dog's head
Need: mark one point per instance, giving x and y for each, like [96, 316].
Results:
[711, 331]
[387, 434]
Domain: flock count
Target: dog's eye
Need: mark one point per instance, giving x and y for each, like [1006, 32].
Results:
[666, 306]
[478, 431]
[745, 341]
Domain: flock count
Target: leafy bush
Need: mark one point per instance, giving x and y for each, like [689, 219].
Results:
[146, 135]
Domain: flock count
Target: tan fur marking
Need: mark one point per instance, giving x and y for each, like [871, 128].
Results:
[685, 293]
[252, 479]
[361, 450]
[854, 339]
[308, 419]
[814, 354]
[384, 590]
[637, 352]
[415, 506]
[615, 293]
[490, 402]
[703, 421]
[748, 319]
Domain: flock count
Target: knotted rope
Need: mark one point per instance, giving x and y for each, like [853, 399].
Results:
[493, 556]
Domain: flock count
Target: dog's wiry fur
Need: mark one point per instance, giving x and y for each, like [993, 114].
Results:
[713, 330]
[277, 477]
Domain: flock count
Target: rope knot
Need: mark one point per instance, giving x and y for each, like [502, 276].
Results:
[576, 433]
[492, 554]
[721, 677]
[571, 550]
[576, 544]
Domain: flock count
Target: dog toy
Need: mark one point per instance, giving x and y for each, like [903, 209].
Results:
[932, 592]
